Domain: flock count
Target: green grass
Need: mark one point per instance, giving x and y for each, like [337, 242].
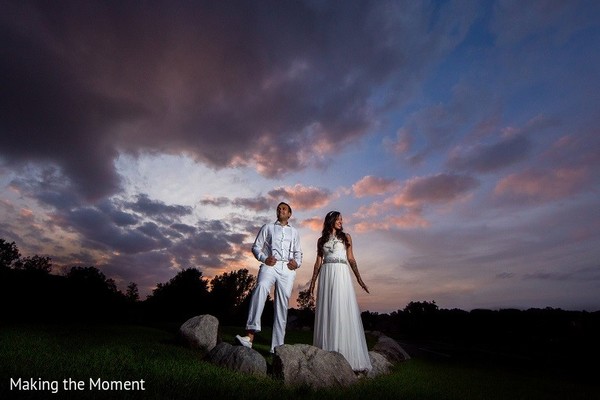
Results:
[171, 371]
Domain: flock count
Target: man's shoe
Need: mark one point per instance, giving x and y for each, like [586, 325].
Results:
[244, 341]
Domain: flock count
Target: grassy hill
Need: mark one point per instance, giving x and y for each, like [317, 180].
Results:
[40, 355]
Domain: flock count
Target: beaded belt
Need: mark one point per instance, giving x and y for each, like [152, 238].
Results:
[334, 260]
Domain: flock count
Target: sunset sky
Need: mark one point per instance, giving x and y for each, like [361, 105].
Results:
[460, 141]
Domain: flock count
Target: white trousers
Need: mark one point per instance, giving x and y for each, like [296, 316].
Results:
[282, 278]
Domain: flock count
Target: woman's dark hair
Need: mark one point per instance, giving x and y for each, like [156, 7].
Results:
[327, 227]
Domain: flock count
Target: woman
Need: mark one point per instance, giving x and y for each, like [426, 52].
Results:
[338, 326]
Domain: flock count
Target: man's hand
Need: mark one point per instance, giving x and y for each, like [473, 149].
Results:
[270, 261]
[292, 264]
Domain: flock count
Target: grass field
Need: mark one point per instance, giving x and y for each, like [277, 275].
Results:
[53, 353]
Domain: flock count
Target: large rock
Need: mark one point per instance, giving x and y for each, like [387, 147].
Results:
[380, 364]
[302, 364]
[390, 349]
[238, 358]
[200, 332]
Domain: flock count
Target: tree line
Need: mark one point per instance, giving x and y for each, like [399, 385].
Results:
[30, 292]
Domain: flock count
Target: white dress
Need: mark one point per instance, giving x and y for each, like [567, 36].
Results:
[338, 326]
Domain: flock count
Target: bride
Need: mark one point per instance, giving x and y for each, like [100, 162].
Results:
[338, 326]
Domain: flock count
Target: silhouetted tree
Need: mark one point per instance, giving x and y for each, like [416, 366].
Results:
[228, 293]
[183, 297]
[91, 278]
[93, 296]
[35, 263]
[304, 316]
[370, 320]
[420, 307]
[9, 254]
[132, 293]
[418, 319]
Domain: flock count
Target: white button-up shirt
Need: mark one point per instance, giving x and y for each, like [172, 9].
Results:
[279, 241]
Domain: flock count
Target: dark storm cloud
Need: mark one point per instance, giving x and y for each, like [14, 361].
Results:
[184, 228]
[101, 233]
[258, 204]
[299, 197]
[116, 215]
[487, 158]
[47, 187]
[157, 209]
[217, 202]
[213, 245]
[438, 188]
[256, 84]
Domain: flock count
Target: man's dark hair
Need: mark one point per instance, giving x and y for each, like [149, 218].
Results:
[285, 204]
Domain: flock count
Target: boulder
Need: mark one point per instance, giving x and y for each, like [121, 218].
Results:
[390, 349]
[238, 358]
[380, 364]
[200, 332]
[302, 364]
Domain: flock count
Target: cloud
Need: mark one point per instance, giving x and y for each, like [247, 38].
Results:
[548, 276]
[440, 188]
[405, 207]
[410, 219]
[83, 82]
[314, 224]
[257, 204]
[498, 147]
[488, 158]
[539, 186]
[433, 128]
[302, 197]
[554, 19]
[157, 209]
[299, 197]
[372, 186]
[99, 232]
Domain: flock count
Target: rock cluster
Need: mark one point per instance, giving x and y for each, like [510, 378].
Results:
[299, 364]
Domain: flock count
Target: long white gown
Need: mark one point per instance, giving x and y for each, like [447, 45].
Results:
[338, 326]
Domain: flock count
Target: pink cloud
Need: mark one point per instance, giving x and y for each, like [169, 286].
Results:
[409, 220]
[314, 224]
[373, 209]
[372, 186]
[302, 197]
[403, 142]
[542, 186]
[404, 209]
[26, 213]
[440, 188]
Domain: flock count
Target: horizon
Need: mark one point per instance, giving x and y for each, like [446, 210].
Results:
[64, 270]
[459, 140]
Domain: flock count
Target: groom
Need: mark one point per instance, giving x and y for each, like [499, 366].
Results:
[277, 247]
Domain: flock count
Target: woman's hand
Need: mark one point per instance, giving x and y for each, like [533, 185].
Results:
[362, 285]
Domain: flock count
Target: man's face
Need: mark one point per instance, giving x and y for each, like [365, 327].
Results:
[283, 212]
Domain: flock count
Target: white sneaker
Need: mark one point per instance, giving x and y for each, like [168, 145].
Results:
[244, 341]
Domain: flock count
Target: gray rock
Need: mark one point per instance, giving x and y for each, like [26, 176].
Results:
[380, 364]
[302, 364]
[238, 358]
[390, 349]
[200, 332]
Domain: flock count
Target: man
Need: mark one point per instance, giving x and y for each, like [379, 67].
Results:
[277, 247]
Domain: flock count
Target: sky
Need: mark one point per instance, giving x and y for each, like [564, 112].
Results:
[459, 140]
